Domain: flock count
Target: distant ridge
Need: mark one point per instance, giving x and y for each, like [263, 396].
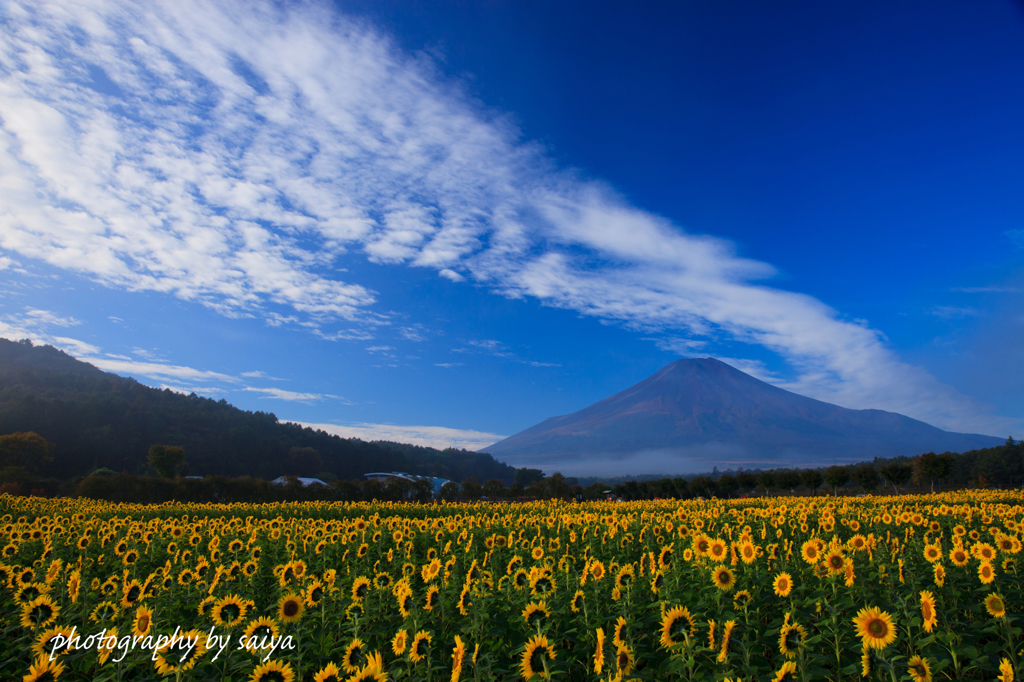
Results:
[693, 415]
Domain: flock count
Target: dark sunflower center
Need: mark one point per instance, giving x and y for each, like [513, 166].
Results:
[271, 676]
[143, 623]
[422, 647]
[537, 659]
[133, 594]
[878, 628]
[230, 612]
[291, 608]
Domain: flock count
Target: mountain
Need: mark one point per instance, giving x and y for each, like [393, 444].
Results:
[97, 419]
[693, 415]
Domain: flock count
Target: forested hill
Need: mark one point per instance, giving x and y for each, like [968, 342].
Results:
[96, 419]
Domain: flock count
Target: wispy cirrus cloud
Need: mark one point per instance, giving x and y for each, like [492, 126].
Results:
[293, 396]
[430, 436]
[232, 153]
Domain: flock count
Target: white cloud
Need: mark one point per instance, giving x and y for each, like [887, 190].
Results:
[379, 349]
[247, 145]
[187, 390]
[431, 436]
[156, 370]
[288, 395]
[416, 333]
[74, 346]
[448, 365]
[260, 374]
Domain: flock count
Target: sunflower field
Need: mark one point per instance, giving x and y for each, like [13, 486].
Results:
[809, 588]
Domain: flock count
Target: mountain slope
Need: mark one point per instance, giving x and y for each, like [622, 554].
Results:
[695, 414]
[97, 419]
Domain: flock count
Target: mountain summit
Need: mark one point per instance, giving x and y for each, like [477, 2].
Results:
[693, 415]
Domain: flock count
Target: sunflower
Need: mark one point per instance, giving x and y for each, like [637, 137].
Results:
[619, 633]
[928, 615]
[741, 599]
[624, 660]
[382, 581]
[536, 613]
[273, 671]
[458, 655]
[577, 602]
[354, 656]
[290, 608]
[665, 557]
[44, 670]
[420, 648]
[329, 673]
[858, 542]
[230, 610]
[625, 576]
[983, 551]
[431, 569]
[726, 634]
[959, 556]
[783, 584]
[995, 606]
[810, 551]
[919, 669]
[537, 553]
[596, 570]
[30, 591]
[74, 585]
[143, 621]
[791, 638]
[986, 573]
[787, 672]
[723, 578]
[465, 600]
[1005, 671]
[360, 587]
[48, 645]
[107, 645]
[932, 553]
[39, 613]
[103, 611]
[940, 574]
[257, 633]
[179, 655]
[433, 598]
[399, 642]
[717, 550]
[675, 625]
[875, 627]
[532, 660]
[599, 652]
[748, 552]
[835, 562]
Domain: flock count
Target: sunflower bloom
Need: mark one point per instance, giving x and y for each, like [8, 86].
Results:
[599, 652]
[727, 632]
[995, 606]
[1005, 671]
[783, 584]
[928, 615]
[875, 628]
[533, 661]
[920, 670]
[273, 671]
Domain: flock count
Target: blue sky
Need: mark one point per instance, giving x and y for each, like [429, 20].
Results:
[442, 222]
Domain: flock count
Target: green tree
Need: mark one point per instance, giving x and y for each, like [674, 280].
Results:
[25, 449]
[494, 489]
[812, 479]
[527, 477]
[930, 466]
[167, 460]
[787, 479]
[866, 476]
[766, 479]
[897, 474]
[836, 477]
[449, 491]
[727, 484]
[471, 489]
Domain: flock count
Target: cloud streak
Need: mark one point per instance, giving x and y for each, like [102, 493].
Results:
[439, 437]
[232, 153]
